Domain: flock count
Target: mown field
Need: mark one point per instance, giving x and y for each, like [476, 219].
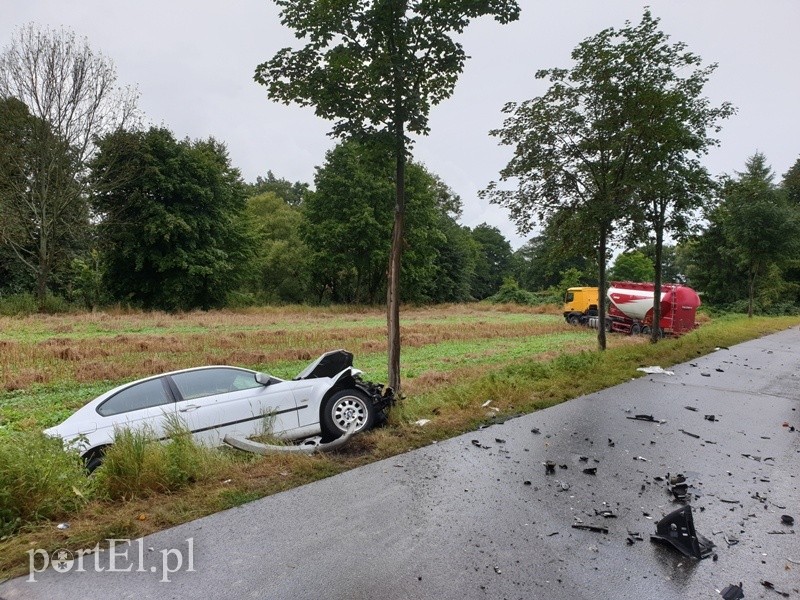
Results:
[455, 358]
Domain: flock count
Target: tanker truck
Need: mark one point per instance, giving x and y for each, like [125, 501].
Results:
[630, 308]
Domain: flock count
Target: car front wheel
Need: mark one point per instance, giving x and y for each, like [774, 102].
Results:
[346, 407]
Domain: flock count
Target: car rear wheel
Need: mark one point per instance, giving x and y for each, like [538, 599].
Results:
[346, 407]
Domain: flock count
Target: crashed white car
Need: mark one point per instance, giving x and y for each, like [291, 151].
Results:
[326, 398]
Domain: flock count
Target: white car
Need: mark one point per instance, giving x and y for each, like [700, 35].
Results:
[213, 401]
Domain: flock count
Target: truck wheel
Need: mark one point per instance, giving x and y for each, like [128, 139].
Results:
[636, 329]
[573, 320]
[646, 330]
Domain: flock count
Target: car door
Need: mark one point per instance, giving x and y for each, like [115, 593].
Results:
[144, 405]
[216, 401]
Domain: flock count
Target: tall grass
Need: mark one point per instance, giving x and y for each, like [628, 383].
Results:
[137, 466]
[39, 479]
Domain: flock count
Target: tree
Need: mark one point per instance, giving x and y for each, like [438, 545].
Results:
[582, 149]
[280, 270]
[761, 229]
[632, 266]
[673, 119]
[172, 235]
[494, 260]
[791, 184]
[291, 193]
[348, 222]
[72, 97]
[374, 66]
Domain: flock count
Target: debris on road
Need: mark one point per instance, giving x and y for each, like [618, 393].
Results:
[771, 586]
[590, 471]
[711, 418]
[733, 592]
[549, 467]
[689, 433]
[677, 529]
[691, 408]
[593, 528]
[648, 418]
[655, 371]
[787, 520]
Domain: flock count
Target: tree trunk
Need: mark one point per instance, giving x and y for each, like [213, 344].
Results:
[601, 291]
[655, 332]
[393, 287]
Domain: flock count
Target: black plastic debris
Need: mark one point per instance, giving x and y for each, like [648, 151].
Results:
[677, 530]
[689, 433]
[787, 520]
[593, 528]
[606, 514]
[500, 440]
[706, 374]
[549, 467]
[648, 418]
[584, 459]
[691, 408]
[710, 417]
[733, 592]
[771, 586]
[536, 430]
[477, 443]
[590, 471]
[611, 443]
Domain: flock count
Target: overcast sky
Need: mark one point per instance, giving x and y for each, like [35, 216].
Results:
[193, 63]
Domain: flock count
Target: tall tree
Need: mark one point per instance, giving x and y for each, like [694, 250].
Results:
[632, 266]
[583, 149]
[377, 66]
[172, 235]
[72, 96]
[494, 260]
[791, 184]
[675, 122]
[759, 225]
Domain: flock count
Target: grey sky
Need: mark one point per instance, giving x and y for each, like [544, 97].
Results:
[193, 62]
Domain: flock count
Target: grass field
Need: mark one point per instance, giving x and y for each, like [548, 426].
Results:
[454, 359]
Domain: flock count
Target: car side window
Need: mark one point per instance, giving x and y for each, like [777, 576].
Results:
[136, 397]
[210, 382]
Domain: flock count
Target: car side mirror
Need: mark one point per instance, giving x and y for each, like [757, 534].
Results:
[264, 379]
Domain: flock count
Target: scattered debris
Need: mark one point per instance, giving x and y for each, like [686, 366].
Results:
[485, 404]
[706, 374]
[606, 514]
[62, 526]
[689, 433]
[719, 370]
[641, 458]
[771, 586]
[593, 528]
[710, 417]
[610, 443]
[677, 530]
[728, 501]
[500, 440]
[731, 541]
[655, 371]
[648, 418]
[549, 467]
[733, 592]
[526, 482]
[691, 408]
[785, 519]
[590, 471]
[422, 422]
[536, 430]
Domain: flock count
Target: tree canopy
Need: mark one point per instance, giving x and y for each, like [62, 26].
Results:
[170, 233]
[376, 68]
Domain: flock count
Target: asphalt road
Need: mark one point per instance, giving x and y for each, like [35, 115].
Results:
[478, 517]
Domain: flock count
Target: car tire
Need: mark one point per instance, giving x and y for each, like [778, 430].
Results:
[94, 459]
[573, 320]
[344, 407]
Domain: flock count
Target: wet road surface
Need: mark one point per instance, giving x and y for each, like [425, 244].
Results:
[478, 516]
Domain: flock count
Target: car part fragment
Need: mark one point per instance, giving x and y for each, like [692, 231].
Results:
[314, 445]
[677, 530]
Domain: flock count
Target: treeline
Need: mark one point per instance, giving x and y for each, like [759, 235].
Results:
[97, 210]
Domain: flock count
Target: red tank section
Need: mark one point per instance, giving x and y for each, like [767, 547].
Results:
[631, 307]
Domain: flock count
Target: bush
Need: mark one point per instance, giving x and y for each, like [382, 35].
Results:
[13, 305]
[39, 479]
[510, 292]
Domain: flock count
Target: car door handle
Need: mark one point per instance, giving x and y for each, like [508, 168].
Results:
[189, 408]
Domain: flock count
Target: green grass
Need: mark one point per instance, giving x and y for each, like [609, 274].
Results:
[450, 376]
